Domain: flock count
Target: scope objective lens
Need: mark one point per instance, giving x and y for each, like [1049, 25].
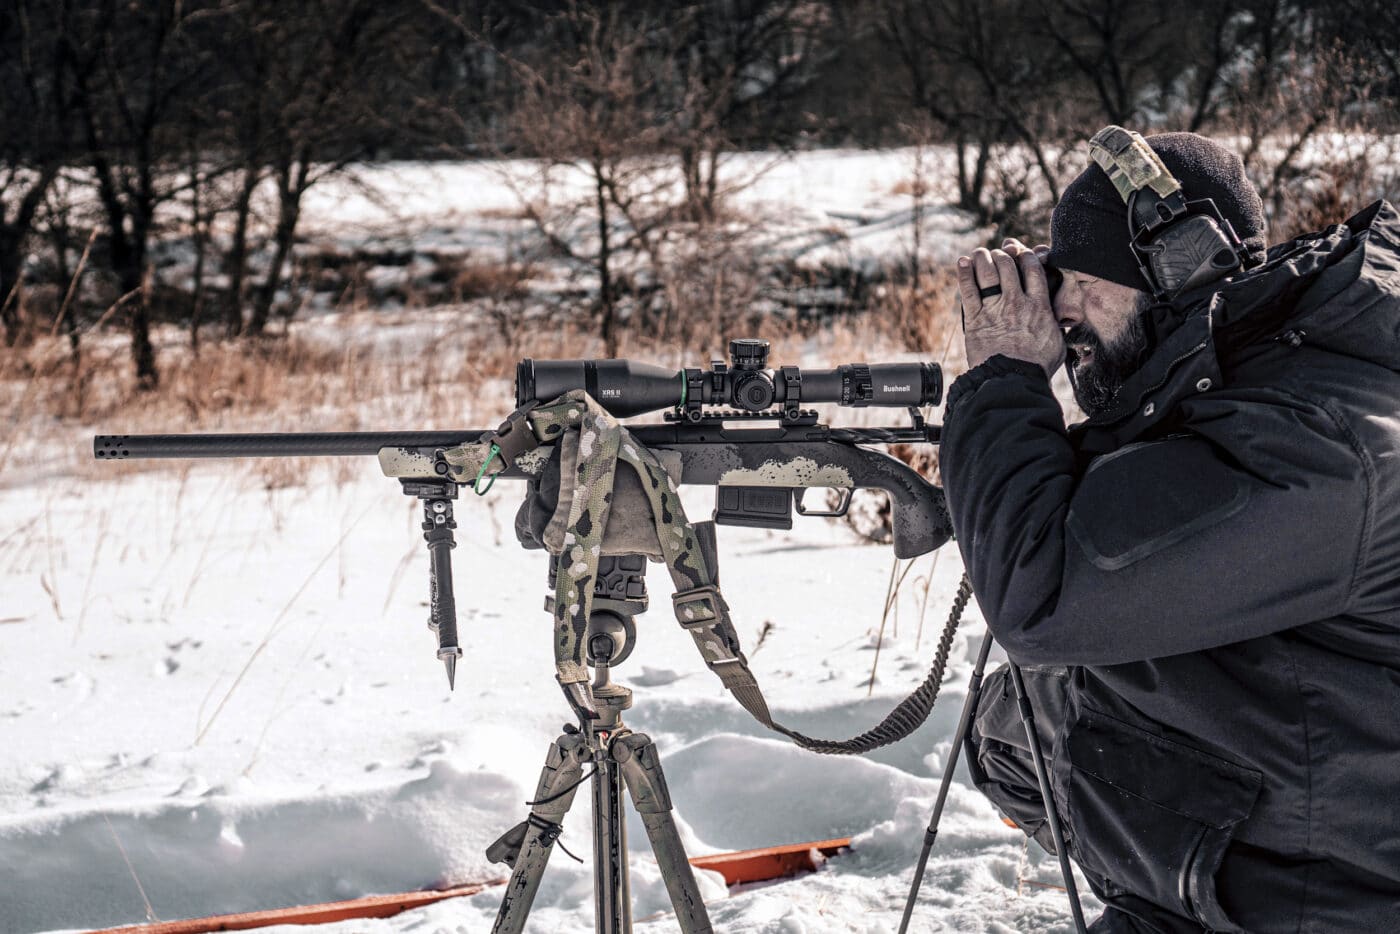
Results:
[623, 387]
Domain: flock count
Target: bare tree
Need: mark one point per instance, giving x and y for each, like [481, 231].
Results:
[1370, 29]
[1123, 50]
[940, 90]
[738, 65]
[324, 72]
[130, 66]
[1204, 57]
[984, 73]
[34, 109]
[588, 106]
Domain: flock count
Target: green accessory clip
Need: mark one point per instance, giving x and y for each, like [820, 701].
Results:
[494, 453]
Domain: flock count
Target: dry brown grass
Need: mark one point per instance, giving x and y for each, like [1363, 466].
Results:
[489, 279]
[911, 188]
[366, 370]
[1347, 173]
[923, 317]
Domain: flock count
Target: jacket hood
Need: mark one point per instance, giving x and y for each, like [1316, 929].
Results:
[1337, 289]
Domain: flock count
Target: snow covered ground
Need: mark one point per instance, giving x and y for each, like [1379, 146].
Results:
[220, 697]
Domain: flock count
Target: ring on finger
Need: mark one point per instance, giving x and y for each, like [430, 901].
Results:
[989, 291]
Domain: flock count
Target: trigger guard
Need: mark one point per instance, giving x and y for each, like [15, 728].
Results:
[843, 504]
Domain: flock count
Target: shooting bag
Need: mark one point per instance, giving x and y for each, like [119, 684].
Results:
[543, 518]
[648, 519]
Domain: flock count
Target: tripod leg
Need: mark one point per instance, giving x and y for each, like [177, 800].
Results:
[974, 691]
[526, 847]
[641, 767]
[613, 911]
[1043, 777]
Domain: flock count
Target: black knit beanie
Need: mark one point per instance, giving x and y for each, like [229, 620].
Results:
[1089, 228]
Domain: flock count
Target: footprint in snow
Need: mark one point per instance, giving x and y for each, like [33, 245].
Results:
[60, 776]
[656, 677]
[194, 786]
[80, 684]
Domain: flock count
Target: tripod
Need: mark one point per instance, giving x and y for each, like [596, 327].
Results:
[969, 711]
[619, 757]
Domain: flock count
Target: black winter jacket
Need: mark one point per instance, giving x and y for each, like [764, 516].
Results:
[1218, 560]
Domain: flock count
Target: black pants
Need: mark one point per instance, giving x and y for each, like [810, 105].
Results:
[999, 759]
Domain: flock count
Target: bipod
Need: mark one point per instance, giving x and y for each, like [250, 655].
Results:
[438, 527]
[1042, 775]
[619, 757]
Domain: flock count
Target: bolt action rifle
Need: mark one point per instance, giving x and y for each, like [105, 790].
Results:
[762, 455]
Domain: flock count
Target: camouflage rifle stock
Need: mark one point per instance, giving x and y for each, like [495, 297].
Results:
[759, 471]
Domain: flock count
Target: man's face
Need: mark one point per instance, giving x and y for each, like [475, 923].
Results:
[1104, 333]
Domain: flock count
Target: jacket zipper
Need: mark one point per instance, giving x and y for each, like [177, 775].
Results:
[1171, 366]
[1167, 375]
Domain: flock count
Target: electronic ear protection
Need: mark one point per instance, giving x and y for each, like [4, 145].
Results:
[1179, 245]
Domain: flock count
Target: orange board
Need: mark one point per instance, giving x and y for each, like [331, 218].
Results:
[774, 862]
[374, 906]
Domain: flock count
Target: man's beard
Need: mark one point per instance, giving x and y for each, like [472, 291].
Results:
[1097, 381]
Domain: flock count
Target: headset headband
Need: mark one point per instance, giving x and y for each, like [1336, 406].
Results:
[1131, 164]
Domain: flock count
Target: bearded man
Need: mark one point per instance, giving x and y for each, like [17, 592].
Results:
[1203, 578]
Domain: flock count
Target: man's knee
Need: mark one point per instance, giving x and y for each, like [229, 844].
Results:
[999, 756]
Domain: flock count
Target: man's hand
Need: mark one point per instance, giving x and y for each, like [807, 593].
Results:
[1017, 322]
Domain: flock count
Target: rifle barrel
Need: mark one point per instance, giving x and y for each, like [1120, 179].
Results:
[299, 444]
[369, 443]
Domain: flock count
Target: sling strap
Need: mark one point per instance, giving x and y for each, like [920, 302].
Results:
[689, 553]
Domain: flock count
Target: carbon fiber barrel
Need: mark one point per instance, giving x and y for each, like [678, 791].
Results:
[310, 444]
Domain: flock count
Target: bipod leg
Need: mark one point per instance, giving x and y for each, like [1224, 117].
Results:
[1042, 776]
[974, 693]
[526, 846]
[637, 759]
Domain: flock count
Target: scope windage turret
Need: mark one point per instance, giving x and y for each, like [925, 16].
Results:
[626, 387]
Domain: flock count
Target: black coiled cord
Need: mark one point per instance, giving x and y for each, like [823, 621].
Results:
[911, 712]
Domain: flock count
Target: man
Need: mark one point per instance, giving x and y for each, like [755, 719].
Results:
[1205, 575]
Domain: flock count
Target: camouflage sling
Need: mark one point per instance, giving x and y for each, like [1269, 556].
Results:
[688, 550]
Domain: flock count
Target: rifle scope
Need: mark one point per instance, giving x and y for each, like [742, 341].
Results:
[626, 387]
